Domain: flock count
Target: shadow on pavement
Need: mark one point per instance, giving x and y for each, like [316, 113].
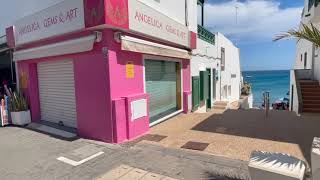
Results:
[282, 126]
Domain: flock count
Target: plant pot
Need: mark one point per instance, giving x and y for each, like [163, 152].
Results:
[21, 118]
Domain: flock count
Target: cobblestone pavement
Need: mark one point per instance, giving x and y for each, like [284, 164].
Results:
[25, 154]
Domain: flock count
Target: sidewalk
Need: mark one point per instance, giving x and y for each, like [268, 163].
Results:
[235, 134]
[30, 155]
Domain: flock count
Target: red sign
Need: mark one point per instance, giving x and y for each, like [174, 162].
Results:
[117, 13]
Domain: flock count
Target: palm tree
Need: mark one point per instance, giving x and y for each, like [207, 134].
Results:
[310, 33]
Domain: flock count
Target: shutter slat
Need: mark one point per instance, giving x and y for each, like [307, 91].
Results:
[161, 85]
[57, 92]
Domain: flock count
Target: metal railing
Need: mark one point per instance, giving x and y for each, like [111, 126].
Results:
[206, 35]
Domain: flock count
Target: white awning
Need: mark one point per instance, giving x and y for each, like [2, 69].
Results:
[142, 46]
[62, 48]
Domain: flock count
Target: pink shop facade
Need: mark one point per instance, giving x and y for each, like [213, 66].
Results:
[109, 69]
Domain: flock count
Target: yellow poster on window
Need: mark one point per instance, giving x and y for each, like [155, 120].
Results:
[130, 70]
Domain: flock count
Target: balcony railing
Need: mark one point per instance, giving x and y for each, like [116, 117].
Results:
[206, 35]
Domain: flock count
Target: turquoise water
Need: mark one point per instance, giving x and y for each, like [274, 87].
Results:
[276, 82]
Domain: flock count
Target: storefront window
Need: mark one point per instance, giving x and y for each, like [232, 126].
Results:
[7, 72]
[164, 88]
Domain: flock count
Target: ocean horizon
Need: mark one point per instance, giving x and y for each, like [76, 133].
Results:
[277, 82]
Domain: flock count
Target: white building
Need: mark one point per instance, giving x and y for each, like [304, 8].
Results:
[215, 68]
[304, 80]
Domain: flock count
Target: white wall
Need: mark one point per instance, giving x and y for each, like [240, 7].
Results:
[205, 56]
[295, 104]
[176, 9]
[302, 47]
[209, 56]
[232, 66]
[313, 59]
[317, 65]
[313, 14]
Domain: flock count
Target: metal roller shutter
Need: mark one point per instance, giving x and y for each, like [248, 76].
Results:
[161, 85]
[57, 92]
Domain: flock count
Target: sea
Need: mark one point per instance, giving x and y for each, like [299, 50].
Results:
[277, 82]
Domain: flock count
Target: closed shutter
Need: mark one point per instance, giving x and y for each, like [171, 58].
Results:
[195, 92]
[57, 92]
[161, 85]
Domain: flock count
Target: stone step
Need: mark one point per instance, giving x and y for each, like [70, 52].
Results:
[314, 93]
[312, 101]
[219, 107]
[311, 110]
[307, 105]
[52, 131]
[310, 97]
[309, 83]
[310, 89]
[221, 103]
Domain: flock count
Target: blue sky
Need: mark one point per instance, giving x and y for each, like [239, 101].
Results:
[258, 22]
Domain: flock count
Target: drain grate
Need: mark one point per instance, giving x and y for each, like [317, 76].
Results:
[153, 137]
[199, 146]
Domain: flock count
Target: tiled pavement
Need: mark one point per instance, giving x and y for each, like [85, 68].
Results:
[124, 172]
[236, 133]
[25, 154]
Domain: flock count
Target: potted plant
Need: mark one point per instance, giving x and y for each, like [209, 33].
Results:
[246, 89]
[20, 113]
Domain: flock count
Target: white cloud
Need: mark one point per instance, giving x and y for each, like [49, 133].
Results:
[258, 20]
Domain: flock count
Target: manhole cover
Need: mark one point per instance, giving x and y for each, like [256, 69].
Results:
[199, 146]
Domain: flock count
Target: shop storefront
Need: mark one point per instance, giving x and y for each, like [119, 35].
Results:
[110, 77]
[7, 67]
[163, 84]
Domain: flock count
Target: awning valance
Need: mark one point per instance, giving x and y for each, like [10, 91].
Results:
[142, 46]
[62, 48]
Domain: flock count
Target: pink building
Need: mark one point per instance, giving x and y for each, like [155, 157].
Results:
[108, 68]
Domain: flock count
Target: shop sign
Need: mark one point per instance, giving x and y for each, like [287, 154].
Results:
[130, 70]
[146, 20]
[65, 17]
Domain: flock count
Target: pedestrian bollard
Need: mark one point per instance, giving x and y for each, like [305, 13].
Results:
[266, 99]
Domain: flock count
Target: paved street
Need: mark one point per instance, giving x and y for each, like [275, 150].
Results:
[26, 154]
